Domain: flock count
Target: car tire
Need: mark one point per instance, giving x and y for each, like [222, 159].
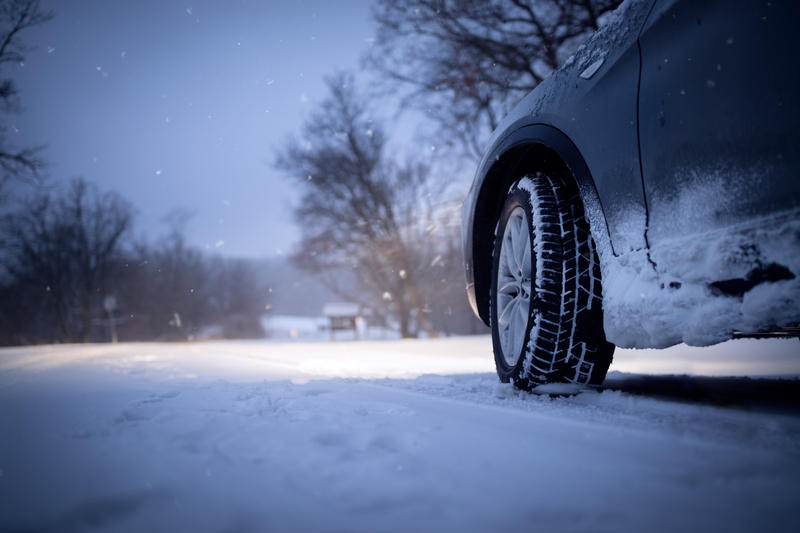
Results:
[546, 297]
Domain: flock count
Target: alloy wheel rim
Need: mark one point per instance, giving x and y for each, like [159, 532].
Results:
[514, 285]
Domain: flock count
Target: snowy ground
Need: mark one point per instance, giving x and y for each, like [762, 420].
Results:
[393, 436]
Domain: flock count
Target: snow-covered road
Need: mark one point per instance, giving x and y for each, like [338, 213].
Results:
[392, 436]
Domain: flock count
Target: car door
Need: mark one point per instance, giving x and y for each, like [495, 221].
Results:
[718, 117]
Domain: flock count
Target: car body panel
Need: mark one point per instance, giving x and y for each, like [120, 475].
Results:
[718, 114]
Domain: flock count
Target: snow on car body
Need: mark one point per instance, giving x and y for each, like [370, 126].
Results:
[676, 126]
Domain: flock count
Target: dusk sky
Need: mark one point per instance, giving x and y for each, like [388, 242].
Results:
[181, 104]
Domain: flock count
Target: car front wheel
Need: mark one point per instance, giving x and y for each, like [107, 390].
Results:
[546, 297]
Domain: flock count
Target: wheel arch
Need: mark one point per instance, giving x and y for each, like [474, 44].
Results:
[528, 149]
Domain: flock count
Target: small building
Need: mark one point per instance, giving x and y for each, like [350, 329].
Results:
[342, 316]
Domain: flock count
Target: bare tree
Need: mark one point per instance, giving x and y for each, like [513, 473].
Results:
[15, 17]
[165, 287]
[465, 63]
[361, 213]
[443, 277]
[62, 257]
[170, 290]
[238, 299]
[57, 256]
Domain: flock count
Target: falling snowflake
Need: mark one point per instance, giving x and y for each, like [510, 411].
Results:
[158, 172]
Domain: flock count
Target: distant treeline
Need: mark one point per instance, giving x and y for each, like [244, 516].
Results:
[71, 272]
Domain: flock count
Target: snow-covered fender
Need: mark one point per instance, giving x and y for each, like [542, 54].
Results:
[535, 142]
[583, 116]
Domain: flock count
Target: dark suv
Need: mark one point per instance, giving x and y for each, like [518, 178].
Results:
[647, 193]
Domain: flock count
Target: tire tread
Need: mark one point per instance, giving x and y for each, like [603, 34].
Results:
[566, 342]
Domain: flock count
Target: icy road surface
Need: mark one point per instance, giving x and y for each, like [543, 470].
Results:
[394, 436]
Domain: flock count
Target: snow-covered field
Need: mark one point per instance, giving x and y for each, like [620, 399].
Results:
[382, 436]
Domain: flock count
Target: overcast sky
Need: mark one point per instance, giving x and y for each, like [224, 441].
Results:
[180, 104]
